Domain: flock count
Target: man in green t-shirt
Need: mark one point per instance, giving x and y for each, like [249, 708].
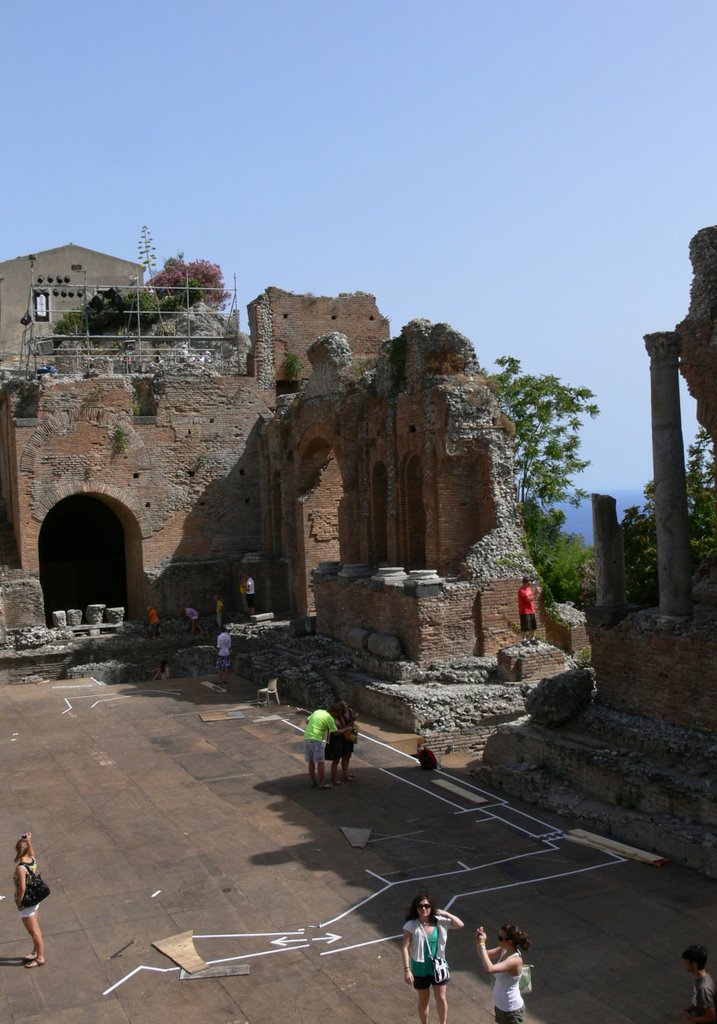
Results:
[319, 726]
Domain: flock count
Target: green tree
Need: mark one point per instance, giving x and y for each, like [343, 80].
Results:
[640, 534]
[548, 417]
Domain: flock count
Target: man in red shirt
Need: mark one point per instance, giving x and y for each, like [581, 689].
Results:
[526, 610]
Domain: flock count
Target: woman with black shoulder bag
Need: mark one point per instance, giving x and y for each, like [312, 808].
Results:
[29, 890]
[424, 953]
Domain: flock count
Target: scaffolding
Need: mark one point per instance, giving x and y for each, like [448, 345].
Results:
[142, 329]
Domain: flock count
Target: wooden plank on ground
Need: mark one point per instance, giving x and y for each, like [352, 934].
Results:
[180, 948]
[225, 715]
[579, 835]
[467, 794]
[227, 971]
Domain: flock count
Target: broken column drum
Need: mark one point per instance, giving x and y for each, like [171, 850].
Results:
[674, 561]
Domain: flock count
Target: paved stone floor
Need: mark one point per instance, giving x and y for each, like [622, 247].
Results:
[150, 822]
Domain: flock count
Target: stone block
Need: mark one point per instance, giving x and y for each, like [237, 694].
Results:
[558, 699]
[114, 615]
[383, 645]
[74, 616]
[94, 613]
[357, 638]
[59, 619]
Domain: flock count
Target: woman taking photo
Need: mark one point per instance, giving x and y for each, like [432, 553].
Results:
[505, 963]
[25, 862]
[424, 940]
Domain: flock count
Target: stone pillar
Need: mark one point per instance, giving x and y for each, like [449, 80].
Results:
[674, 562]
[610, 597]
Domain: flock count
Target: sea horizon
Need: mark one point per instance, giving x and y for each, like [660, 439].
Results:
[580, 519]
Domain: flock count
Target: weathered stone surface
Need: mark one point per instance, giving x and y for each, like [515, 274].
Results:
[384, 646]
[59, 619]
[558, 699]
[114, 616]
[94, 613]
[357, 638]
[74, 616]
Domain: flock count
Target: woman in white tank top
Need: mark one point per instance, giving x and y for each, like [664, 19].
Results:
[505, 963]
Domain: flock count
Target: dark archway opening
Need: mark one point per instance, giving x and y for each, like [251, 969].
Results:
[414, 515]
[379, 513]
[82, 556]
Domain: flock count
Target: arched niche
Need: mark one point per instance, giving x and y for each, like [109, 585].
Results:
[90, 552]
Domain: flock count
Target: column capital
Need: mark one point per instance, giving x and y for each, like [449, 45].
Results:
[663, 345]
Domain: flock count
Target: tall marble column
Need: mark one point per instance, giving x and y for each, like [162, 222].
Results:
[674, 564]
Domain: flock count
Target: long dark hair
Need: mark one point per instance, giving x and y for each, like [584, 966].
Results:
[517, 936]
[412, 912]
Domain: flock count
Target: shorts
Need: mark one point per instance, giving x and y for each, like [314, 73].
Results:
[314, 750]
[509, 1016]
[28, 911]
[222, 662]
[528, 623]
[426, 980]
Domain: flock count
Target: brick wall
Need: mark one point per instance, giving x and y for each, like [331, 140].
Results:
[428, 628]
[659, 673]
[281, 322]
[185, 484]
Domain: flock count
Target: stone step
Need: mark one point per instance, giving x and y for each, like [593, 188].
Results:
[621, 793]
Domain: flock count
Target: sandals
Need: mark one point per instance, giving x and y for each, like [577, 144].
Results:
[34, 962]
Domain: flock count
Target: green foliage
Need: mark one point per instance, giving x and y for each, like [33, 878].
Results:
[146, 251]
[292, 366]
[548, 418]
[584, 657]
[120, 440]
[639, 531]
[564, 562]
[71, 323]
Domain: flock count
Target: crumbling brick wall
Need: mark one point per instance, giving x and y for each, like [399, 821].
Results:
[184, 483]
[421, 475]
[282, 322]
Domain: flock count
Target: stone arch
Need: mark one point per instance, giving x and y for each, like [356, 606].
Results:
[319, 491]
[92, 509]
[413, 513]
[61, 423]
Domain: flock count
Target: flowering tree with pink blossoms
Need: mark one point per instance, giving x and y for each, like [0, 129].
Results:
[203, 279]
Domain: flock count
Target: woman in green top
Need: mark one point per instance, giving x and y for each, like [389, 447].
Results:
[424, 938]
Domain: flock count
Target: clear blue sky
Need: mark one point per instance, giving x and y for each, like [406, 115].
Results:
[530, 172]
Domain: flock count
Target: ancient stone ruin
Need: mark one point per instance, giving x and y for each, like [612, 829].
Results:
[635, 757]
[366, 485]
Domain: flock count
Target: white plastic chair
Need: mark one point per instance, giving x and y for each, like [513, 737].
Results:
[268, 691]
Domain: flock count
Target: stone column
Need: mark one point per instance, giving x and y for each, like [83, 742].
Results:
[674, 562]
[610, 597]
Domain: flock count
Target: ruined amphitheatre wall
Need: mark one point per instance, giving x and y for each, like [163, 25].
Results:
[661, 667]
[281, 322]
[184, 482]
[407, 465]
